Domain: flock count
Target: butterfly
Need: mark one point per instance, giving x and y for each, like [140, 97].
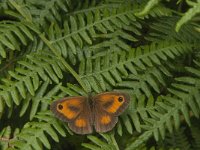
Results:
[83, 113]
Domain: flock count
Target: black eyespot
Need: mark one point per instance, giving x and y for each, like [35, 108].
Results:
[120, 99]
[60, 107]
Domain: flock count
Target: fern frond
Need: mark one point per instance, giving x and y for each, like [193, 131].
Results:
[40, 100]
[136, 113]
[177, 140]
[195, 132]
[48, 11]
[163, 114]
[26, 77]
[39, 12]
[148, 7]
[140, 110]
[73, 90]
[16, 10]
[139, 141]
[106, 142]
[187, 89]
[109, 43]
[34, 134]
[142, 83]
[157, 11]
[111, 68]
[13, 35]
[167, 111]
[187, 16]
[163, 29]
[117, 38]
[83, 27]
[186, 98]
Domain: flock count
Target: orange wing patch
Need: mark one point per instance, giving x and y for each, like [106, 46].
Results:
[112, 103]
[70, 109]
[80, 123]
[105, 120]
[115, 105]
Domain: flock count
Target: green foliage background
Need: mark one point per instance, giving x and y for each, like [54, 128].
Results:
[51, 49]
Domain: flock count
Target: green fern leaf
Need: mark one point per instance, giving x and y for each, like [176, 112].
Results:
[107, 143]
[5, 137]
[188, 15]
[26, 78]
[99, 20]
[12, 34]
[148, 7]
[164, 29]
[34, 134]
[117, 65]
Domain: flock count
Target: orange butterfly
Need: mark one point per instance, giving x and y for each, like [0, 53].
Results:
[100, 111]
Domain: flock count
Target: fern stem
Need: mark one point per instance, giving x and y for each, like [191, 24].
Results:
[103, 6]
[6, 66]
[139, 141]
[21, 10]
[130, 60]
[4, 139]
[68, 67]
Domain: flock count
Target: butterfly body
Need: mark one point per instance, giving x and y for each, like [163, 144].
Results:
[83, 113]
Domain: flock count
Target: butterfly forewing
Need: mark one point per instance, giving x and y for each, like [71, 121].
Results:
[107, 107]
[76, 111]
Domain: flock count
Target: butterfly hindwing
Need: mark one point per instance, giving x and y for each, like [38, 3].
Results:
[103, 121]
[75, 111]
[107, 107]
